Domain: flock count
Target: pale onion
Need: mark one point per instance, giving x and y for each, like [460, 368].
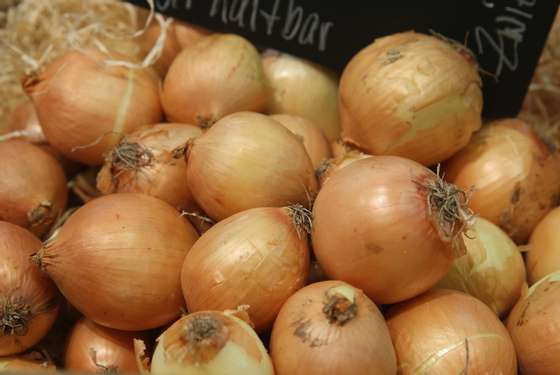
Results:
[118, 260]
[313, 138]
[85, 105]
[29, 301]
[258, 258]
[218, 75]
[34, 362]
[410, 95]
[543, 257]
[534, 326]
[151, 161]
[331, 328]
[92, 348]
[492, 270]
[449, 332]
[330, 166]
[210, 343]
[299, 87]
[388, 226]
[33, 189]
[515, 176]
[248, 160]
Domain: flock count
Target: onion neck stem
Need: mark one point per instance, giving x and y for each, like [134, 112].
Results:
[14, 317]
[339, 309]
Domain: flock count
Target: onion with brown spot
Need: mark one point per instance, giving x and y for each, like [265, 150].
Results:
[543, 257]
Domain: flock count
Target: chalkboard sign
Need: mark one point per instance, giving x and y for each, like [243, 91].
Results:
[507, 36]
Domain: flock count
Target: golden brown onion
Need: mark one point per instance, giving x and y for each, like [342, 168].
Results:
[410, 95]
[448, 332]
[543, 257]
[118, 260]
[515, 176]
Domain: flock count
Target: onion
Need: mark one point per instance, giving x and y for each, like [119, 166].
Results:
[543, 257]
[118, 261]
[331, 328]
[534, 326]
[33, 189]
[299, 87]
[492, 270]
[313, 139]
[448, 332]
[150, 161]
[330, 166]
[23, 124]
[340, 148]
[388, 226]
[94, 349]
[218, 75]
[30, 362]
[86, 105]
[210, 343]
[410, 95]
[28, 300]
[257, 258]
[248, 160]
[515, 176]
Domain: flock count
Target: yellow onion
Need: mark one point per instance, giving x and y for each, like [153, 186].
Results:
[33, 189]
[543, 257]
[492, 270]
[331, 328]
[248, 160]
[410, 95]
[29, 301]
[257, 258]
[34, 362]
[151, 161]
[388, 226]
[118, 261]
[515, 176]
[85, 105]
[299, 87]
[449, 332]
[313, 139]
[330, 166]
[210, 343]
[218, 75]
[534, 326]
[95, 349]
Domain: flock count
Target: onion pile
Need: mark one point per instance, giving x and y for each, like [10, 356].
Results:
[543, 257]
[388, 226]
[210, 343]
[515, 175]
[118, 261]
[248, 160]
[492, 270]
[218, 75]
[150, 161]
[33, 189]
[299, 87]
[257, 258]
[448, 332]
[410, 95]
[331, 328]
[85, 105]
[29, 301]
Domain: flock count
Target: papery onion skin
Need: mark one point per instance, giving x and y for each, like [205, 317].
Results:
[299, 87]
[248, 160]
[33, 190]
[449, 332]
[492, 270]
[219, 75]
[515, 176]
[534, 326]
[24, 119]
[543, 257]
[29, 301]
[331, 166]
[374, 228]
[225, 344]
[151, 161]
[85, 106]
[305, 339]
[410, 95]
[257, 258]
[118, 261]
[93, 349]
[29, 362]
